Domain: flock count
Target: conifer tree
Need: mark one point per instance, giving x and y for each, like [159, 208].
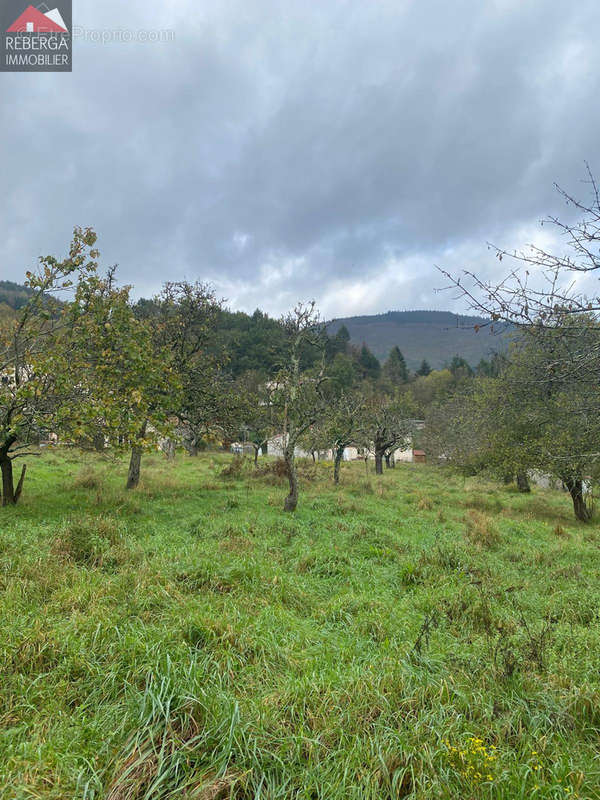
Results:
[394, 369]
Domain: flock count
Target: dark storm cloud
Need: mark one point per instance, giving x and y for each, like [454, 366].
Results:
[286, 150]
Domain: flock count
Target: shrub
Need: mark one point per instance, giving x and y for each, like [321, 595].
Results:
[236, 467]
[272, 472]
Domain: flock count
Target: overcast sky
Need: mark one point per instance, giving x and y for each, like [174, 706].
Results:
[297, 150]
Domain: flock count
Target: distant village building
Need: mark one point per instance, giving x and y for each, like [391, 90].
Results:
[276, 445]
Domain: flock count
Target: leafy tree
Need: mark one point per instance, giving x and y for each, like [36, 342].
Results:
[298, 396]
[388, 425]
[315, 440]
[343, 426]
[260, 429]
[123, 376]
[460, 430]
[182, 319]
[253, 343]
[36, 387]
[434, 387]
[217, 409]
[533, 416]
[552, 422]
[343, 372]
[538, 298]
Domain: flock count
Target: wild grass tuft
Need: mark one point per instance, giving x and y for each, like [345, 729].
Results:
[88, 478]
[481, 530]
[89, 540]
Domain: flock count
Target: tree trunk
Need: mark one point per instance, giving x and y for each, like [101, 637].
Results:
[523, 482]
[379, 462]
[339, 454]
[19, 489]
[168, 448]
[256, 451]
[291, 501]
[135, 462]
[387, 457]
[191, 445]
[575, 489]
[10, 494]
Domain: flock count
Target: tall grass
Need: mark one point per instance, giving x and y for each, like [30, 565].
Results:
[395, 638]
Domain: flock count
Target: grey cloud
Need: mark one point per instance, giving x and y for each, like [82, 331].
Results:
[286, 150]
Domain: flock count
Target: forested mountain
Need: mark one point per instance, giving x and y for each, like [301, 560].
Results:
[13, 294]
[255, 341]
[436, 336]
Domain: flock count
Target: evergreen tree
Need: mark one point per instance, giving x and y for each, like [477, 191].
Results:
[484, 369]
[339, 344]
[424, 369]
[394, 369]
[369, 364]
[460, 368]
[342, 339]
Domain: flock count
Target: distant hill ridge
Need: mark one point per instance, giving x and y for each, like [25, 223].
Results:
[14, 295]
[435, 336]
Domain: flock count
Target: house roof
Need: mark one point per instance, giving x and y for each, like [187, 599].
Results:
[42, 23]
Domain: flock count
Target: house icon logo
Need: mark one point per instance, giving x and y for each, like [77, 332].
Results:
[39, 20]
[37, 39]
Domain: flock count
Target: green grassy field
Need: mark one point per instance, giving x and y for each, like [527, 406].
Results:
[416, 636]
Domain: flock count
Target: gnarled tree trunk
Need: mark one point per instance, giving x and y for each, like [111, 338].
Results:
[523, 482]
[575, 488]
[291, 501]
[339, 454]
[135, 462]
[191, 445]
[379, 461]
[168, 448]
[10, 493]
